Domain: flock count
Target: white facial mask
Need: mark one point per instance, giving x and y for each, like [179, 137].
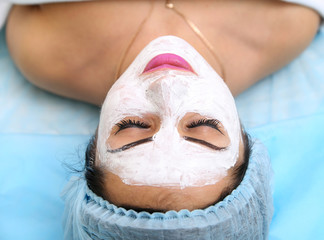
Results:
[169, 160]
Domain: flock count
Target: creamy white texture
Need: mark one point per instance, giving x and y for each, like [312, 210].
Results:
[169, 160]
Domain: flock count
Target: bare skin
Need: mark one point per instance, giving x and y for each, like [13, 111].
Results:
[162, 199]
[73, 49]
[151, 198]
[166, 198]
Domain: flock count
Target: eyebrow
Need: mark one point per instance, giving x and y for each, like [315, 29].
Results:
[130, 145]
[207, 144]
[149, 139]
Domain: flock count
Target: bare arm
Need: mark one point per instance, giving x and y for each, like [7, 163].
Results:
[72, 49]
[261, 42]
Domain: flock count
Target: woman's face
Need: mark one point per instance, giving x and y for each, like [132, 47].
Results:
[169, 121]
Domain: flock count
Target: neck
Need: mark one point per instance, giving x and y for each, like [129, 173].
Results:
[215, 60]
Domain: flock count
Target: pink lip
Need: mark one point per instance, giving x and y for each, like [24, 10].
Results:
[168, 60]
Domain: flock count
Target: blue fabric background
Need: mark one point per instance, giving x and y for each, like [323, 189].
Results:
[40, 134]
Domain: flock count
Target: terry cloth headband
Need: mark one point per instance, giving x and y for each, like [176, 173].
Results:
[244, 214]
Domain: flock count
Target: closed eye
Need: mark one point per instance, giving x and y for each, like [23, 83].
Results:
[213, 123]
[124, 124]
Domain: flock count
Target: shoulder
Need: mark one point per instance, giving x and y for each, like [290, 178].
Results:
[317, 5]
[5, 6]
[272, 40]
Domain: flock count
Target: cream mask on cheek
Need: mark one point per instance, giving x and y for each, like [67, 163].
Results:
[169, 93]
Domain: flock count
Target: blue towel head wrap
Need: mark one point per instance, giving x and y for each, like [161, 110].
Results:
[244, 214]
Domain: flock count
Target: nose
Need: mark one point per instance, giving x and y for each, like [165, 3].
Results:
[167, 94]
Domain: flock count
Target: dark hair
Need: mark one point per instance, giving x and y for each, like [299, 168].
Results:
[95, 175]
[240, 169]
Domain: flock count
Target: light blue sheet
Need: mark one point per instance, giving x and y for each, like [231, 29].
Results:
[40, 133]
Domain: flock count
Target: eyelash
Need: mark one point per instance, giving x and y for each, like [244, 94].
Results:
[130, 124]
[213, 123]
